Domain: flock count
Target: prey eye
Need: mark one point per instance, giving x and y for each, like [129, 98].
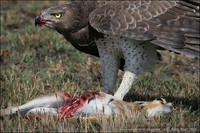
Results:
[58, 15]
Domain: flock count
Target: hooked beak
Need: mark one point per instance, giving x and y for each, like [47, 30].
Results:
[40, 21]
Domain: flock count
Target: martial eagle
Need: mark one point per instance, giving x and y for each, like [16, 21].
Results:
[126, 34]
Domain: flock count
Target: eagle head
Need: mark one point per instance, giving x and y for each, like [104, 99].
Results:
[66, 17]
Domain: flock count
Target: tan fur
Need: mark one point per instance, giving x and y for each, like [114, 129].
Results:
[115, 107]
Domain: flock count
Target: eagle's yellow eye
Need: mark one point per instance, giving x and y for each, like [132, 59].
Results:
[58, 15]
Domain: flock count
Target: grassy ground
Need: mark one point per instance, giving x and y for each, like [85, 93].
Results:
[36, 61]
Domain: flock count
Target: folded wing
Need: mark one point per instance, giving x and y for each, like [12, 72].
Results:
[173, 25]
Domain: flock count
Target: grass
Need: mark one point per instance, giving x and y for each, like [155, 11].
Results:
[36, 61]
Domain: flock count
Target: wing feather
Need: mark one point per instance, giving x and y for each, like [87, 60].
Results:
[173, 25]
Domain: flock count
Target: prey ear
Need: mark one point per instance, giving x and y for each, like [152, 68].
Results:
[162, 100]
[141, 103]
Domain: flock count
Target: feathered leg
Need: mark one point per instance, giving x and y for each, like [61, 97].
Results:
[138, 58]
[110, 70]
[110, 64]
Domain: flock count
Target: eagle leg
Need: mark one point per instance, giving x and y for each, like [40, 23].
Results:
[125, 85]
[138, 58]
[110, 64]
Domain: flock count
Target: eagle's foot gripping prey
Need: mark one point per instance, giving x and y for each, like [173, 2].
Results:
[63, 106]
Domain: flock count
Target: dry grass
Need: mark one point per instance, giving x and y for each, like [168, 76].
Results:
[36, 61]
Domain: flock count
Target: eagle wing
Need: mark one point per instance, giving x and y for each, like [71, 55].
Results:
[173, 25]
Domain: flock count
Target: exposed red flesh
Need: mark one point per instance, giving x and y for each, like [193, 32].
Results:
[40, 21]
[71, 105]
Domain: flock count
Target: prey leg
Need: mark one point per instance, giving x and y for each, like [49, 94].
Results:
[48, 101]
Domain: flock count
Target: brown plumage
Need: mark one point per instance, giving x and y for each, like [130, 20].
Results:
[125, 34]
[169, 24]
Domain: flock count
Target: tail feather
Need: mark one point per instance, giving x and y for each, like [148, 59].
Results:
[188, 50]
[180, 33]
